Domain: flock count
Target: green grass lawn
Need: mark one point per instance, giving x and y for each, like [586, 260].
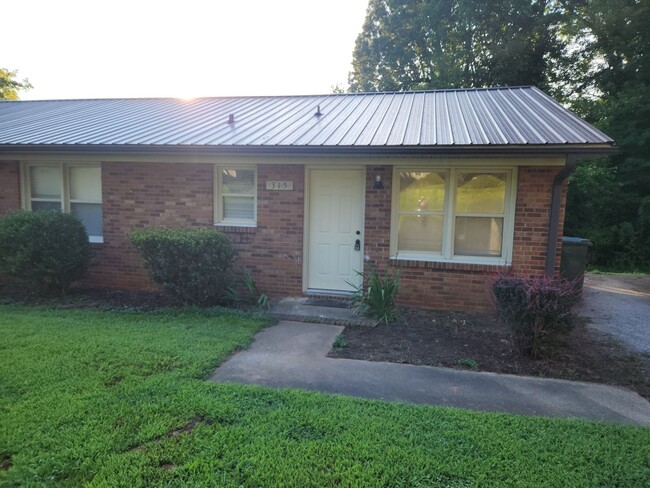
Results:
[117, 399]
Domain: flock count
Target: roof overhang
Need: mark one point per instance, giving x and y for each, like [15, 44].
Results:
[576, 151]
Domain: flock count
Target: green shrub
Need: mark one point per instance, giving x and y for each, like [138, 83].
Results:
[537, 309]
[191, 264]
[376, 296]
[49, 250]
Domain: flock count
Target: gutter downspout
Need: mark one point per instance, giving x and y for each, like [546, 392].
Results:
[556, 201]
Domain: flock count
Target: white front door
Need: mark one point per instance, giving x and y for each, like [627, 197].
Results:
[335, 225]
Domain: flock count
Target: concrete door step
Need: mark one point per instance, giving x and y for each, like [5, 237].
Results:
[300, 309]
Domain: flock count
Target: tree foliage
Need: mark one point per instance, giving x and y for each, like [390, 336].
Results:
[609, 200]
[592, 55]
[10, 86]
[424, 44]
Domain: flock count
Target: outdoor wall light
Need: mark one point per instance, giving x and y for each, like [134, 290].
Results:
[379, 185]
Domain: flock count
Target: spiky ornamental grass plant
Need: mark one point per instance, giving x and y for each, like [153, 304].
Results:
[376, 296]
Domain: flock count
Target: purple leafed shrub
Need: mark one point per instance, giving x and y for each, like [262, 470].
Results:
[537, 309]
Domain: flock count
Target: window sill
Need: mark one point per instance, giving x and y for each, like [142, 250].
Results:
[236, 223]
[431, 262]
[96, 239]
[236, 227]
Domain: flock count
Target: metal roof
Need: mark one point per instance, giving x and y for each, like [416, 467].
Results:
[511, 116]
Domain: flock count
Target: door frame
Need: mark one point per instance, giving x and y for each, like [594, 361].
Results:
[306, 226]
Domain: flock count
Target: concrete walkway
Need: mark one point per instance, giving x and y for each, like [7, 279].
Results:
[293, 354]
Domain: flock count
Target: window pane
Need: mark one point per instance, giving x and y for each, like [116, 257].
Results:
[481, 193]
[239, 208]
[36, 206]
[90, 215]
[478, 236]
[420, 233]
[45, 182]
[421, 192]
[240, 181]
[86, 183]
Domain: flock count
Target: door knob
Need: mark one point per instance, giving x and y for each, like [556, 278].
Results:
[357, 245]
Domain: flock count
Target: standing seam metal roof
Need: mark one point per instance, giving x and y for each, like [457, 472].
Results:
[441, 118]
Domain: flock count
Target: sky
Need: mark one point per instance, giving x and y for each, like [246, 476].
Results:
[182, 48]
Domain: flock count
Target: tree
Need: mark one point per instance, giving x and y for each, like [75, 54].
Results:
[424, 44]
[609, 200]
[10, 86]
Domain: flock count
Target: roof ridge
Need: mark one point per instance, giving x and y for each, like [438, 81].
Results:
[222, 97]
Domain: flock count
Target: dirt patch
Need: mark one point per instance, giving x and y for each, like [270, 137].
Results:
[5, 461]
[189, 427]
[114, 380]
[479, 342]
[12, 291]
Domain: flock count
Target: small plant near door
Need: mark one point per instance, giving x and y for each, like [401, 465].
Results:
[376, 296]
[248, 294]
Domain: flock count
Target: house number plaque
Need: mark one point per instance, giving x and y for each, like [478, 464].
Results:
[279, 185]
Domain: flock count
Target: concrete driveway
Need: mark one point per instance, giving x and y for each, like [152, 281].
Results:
[619, 305]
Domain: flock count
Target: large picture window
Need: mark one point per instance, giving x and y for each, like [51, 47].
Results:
[74, 188]
[236, 196]
[453, 214]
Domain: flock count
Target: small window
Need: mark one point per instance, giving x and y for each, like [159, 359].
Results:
[453, 214]
[236, 196]
[73, 188]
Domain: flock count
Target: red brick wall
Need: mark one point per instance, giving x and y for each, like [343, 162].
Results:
[461, 286]
[181, 195]
[273, 251]
[9, 187]
[146, 194]
[531, 221]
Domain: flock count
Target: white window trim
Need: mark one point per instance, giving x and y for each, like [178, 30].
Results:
[26, 190]
[218, 195]
[447, 256]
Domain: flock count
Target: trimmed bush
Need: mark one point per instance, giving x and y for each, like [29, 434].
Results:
[537, 309]
[49, 250]
[190, 264]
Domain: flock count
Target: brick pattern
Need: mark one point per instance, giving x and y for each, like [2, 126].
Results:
[531, 221]
[180, 195]
[273, 251]
[147, 194]
[9, 186]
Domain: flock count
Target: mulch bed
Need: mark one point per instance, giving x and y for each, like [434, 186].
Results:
[81, 296]
[479, 342]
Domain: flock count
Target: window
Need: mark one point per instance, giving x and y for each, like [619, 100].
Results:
[74, 188]
[236, 196]
[453, 214]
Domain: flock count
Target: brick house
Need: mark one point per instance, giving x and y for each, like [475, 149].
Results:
[446, 186]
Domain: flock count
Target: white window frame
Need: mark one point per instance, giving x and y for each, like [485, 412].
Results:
[219, 195]
[65, 200]
[447, 255]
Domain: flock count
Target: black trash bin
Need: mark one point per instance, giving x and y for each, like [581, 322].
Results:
[575, 257]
